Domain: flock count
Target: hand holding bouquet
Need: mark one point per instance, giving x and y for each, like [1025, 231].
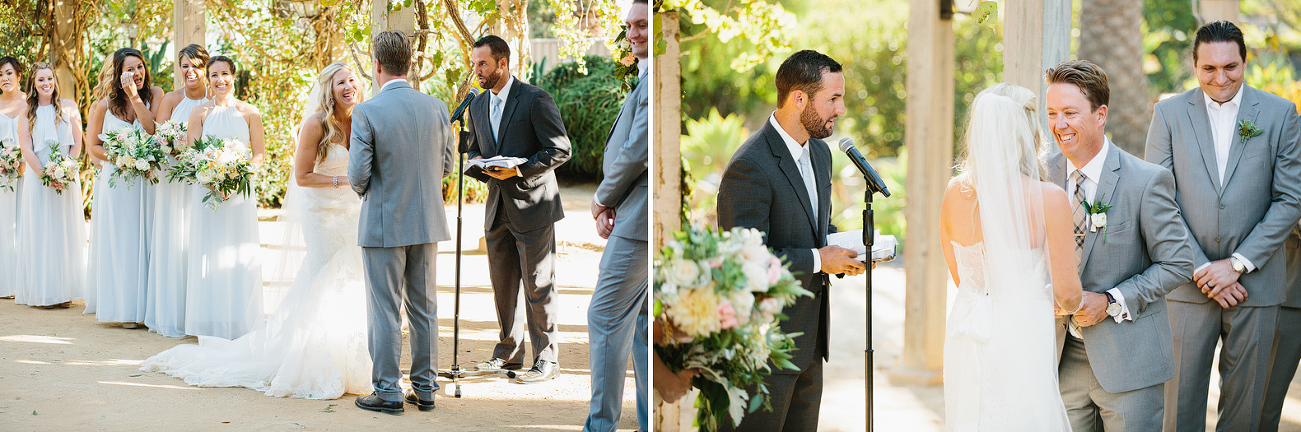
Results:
[221, 165]
[61, 172]
[11, 160]
[135, 153]
[721, 295]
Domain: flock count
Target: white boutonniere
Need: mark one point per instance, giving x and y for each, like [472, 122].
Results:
[1098, 216]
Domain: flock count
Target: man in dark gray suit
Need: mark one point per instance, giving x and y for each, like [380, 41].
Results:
[1114, 351]
[519, 120]
[401, 148]
[1240, 197]
[779, 182]
[617, 317]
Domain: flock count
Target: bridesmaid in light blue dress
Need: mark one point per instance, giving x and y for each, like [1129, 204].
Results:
[224, 291]
[121, 215]
[168, 252]
[13, 103]
[53, 239]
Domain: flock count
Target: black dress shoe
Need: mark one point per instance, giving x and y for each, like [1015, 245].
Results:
[423, 405]
[542, 371]
[497, 364]
[373, 402]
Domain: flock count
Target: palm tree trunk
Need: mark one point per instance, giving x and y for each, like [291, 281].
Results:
[1111, 37]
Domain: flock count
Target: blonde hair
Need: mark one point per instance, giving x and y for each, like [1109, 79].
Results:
[330, 126]
[33, 98]
[1030, 149]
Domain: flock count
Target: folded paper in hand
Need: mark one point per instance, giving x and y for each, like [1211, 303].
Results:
[883, 248]
[504, 162]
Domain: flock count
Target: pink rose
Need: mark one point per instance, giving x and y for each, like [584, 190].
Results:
[727, 315]
[774, 271]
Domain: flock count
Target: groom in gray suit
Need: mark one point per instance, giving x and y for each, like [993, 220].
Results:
[1233, 150]
[401, 148]
[617, 317]
[519, 120]
[1115, 350]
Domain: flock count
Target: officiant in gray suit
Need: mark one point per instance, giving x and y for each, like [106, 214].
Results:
[779, 182]
[617, 318]
[1115, 351]
[519, 120]
[401, 148]
[1233, 150]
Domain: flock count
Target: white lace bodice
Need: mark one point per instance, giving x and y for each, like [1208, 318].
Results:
[971, 261]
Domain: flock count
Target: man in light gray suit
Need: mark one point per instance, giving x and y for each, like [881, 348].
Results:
[617, 317]
[1116, 350]
[1287, 339]
[401, 148]
[519, 120]
[1239, 196]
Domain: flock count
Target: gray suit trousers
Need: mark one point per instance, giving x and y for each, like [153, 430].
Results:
[1090, 408]
[1248, 336]
[529, 257]
[616, 327]
[395, 277]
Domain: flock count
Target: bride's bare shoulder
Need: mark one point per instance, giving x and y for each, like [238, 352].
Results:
[959, 188]
[1054, 198]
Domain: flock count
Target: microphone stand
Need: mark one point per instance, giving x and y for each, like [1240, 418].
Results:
[869, 237]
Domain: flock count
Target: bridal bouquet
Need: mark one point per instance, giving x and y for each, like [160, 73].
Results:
[61, 172]
[11, 157]
[221, 165]
[171, 137]
[720, 295]
[135, 153]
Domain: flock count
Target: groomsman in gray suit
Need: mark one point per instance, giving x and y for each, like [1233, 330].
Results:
[401, 148]
[617, 317]
[1233, 150]
[779, 182]
[1287, 339]
[519, 120]
[1115, 351]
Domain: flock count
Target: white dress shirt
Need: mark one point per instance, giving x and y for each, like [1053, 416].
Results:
[1092, 173]
[1221, 118]
[503, 94]
[391, 82]
[796, 150]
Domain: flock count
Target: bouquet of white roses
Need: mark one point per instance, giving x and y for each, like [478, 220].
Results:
[721, 295]
[171, 137]
[135, 153]
[221, 165]
[11, 158]
[61, 172]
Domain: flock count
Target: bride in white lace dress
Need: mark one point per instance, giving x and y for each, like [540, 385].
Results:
[314, 344]
[1008, 240]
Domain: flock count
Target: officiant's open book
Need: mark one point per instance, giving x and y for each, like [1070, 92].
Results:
[504, 162]
[883, 248]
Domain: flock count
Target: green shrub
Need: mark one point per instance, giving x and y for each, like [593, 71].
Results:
[589, 105]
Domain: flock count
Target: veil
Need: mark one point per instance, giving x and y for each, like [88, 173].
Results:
[292, 247]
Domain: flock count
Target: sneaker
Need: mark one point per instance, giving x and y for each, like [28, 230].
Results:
[542, 371]
[497, 364]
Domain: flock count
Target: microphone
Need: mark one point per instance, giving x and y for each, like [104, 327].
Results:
[873, 180]
[460, 110]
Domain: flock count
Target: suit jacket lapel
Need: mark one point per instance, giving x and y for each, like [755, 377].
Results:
[509, 108]
[791, 170]
[627, 106]
[1202, 130]
[1246, 111]
[1104, 194]
[482, 117]
[822, 181]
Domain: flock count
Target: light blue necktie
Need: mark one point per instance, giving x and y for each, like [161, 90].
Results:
[806, 171]
[496, 116]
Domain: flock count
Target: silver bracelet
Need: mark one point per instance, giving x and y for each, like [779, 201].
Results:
[336, 181]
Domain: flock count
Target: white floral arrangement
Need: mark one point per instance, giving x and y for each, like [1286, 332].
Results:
[171, 137]
[720, 296]
[221, 165]
[135, 153]
[11, 161]
[61, 172]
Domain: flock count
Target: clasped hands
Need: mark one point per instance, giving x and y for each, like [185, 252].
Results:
[838, 260]
[1220, 283]
[604, 219]
[1093, 309]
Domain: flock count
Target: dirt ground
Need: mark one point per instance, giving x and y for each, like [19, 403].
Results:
[61, 370]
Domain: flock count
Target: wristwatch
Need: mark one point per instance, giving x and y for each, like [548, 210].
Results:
[1238, 266]
[1113, 308]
